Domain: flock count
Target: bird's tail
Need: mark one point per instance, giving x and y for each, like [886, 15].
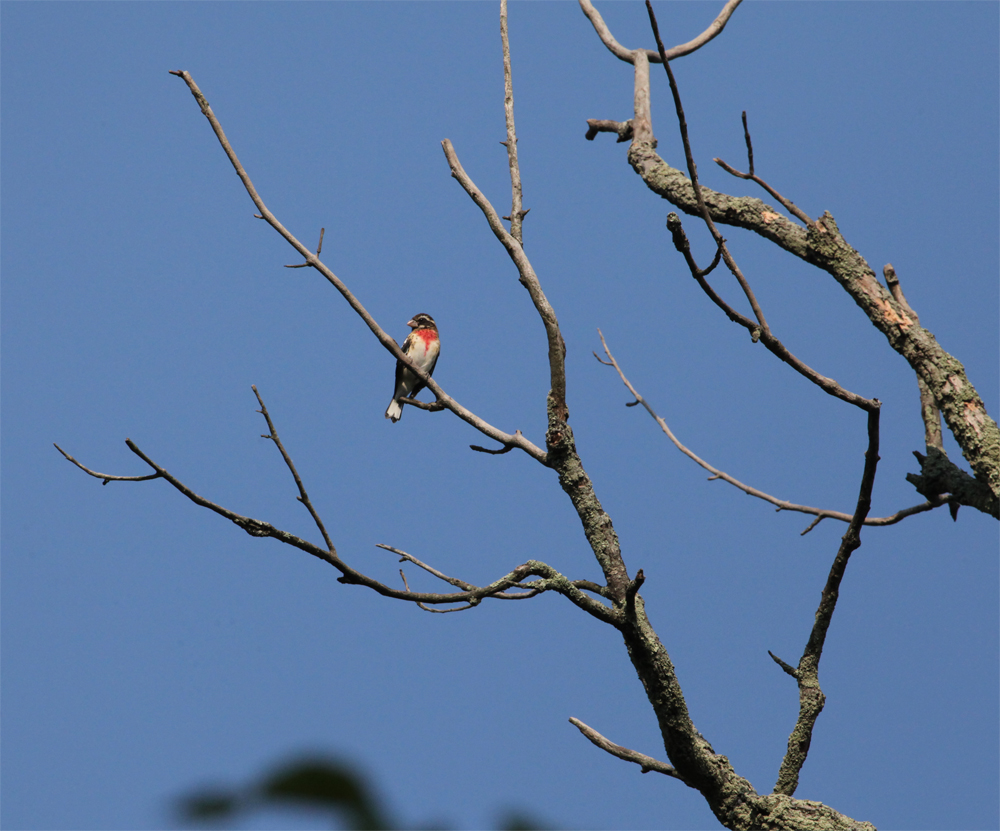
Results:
[394, 411]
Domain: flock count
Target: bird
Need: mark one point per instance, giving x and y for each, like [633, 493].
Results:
[421, 346]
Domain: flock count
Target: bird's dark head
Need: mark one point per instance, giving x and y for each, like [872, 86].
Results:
[422, 321]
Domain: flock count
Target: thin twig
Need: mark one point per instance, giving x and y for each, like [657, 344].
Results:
[693, 172]
[647, 763]
[516, 213]
[528, 278]
[303, 496]
[789, 206]
[767, 338]
[781, 504]
[930, 413]
[461, 584]
[312, 259]
[811, 697]
[319, 250]
[429, 406]
[427, 608]
[107, 477]
[788, 668]
[499, 452]
[746, 137]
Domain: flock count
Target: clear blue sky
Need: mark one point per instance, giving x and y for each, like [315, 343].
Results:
[150, 647]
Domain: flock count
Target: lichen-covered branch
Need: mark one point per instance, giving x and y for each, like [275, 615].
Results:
[821, 244]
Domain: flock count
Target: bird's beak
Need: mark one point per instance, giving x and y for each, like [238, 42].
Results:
[412, 324]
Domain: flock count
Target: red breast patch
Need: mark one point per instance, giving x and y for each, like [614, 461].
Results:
[428, 336]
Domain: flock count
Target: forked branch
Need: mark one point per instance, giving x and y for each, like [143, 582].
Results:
[528, 278]
[548, 579]
[811, 698]
[628, 55]
[780, 504]
[766, 337]
[787, 204]
[821, 244]
[516, 440]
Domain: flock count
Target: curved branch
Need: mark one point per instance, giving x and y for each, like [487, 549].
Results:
[766, 337]
[781, 504]
[312, 259]
[627, 55]
[107, 477]
[823, 245]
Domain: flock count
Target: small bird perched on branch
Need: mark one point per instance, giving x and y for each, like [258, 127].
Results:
[422, 346]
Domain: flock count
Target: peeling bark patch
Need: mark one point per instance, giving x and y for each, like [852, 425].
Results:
[975, 417]
[892, 317]
[767, 216]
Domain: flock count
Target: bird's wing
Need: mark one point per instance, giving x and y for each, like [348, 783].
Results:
[400, 366]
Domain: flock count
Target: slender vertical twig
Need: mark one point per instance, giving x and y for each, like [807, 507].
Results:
[303, 497]
[516, 213]
[693, 172]
[811, 697]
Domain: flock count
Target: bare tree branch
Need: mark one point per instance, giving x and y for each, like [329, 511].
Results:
[693, 171]
[762, 330]
[597, 125]
[560, 443]
[929, 411]
[388, 342]
[647, 763]
[788, 205]
[517, 214]
[303, 497]
[107, 477]
[627, 55]
[781, 504]
[767, 338]
[550, 579]
[811, 698]
[528, 278]
[319, 250]
[821, 244]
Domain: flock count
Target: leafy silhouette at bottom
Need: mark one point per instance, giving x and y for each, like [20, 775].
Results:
[316, 783]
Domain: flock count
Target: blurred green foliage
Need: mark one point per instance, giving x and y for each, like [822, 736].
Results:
[315, 783]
